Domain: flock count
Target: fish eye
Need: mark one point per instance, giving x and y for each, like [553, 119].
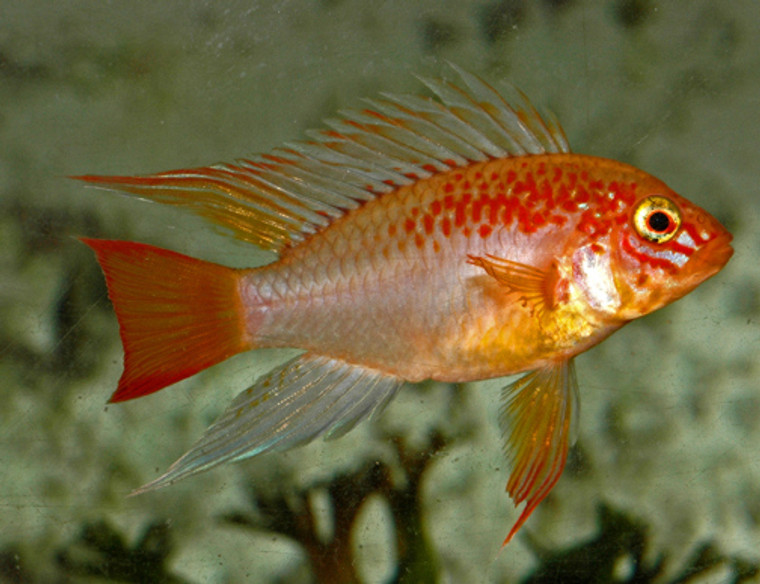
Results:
[656, 219]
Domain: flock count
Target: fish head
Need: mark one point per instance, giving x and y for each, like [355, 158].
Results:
[663, 246]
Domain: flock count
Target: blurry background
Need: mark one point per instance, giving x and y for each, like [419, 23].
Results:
[670, 425]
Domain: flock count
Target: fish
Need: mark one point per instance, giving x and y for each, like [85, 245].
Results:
[451, 236]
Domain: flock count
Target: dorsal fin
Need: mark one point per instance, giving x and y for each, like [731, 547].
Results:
[275, 200]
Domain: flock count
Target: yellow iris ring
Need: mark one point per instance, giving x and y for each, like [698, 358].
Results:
[657, 219]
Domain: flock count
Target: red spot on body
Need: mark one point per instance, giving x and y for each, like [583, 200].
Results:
[391, 230]
[484, 230]
[448, 187]
[558, 219]
[459, 214]
[477, 208]
[511, 176]
[446, 226]
[427, 222]
[436, 207]
[597, 249]
[409, 225]
[570, 206]
[557, 174]
[436, 246]
[418, 240]
[415, 211]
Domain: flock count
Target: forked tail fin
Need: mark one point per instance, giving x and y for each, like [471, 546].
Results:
[177, 315]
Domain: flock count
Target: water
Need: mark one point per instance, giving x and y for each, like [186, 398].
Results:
[669, 428]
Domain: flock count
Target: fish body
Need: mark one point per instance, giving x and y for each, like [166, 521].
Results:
[456, 240]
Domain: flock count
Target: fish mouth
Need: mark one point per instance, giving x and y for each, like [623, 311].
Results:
[712, 257]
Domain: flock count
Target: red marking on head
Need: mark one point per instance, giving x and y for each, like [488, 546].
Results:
[695, 234]
[642, 257]
[484, 230]
[680, 248]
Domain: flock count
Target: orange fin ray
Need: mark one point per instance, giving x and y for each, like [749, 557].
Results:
[532, 284]
[277, 200]
[538, 419]
[177, 315]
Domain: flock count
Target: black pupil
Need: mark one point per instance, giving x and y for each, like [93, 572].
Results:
[659, 221]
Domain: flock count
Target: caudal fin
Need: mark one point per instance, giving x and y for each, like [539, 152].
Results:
[177, 315]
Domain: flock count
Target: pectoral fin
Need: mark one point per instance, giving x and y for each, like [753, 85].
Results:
[306, 397]
[534, 286]
[538, 419]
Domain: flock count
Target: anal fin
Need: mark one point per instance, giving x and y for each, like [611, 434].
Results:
[307, 397]
[538, 419]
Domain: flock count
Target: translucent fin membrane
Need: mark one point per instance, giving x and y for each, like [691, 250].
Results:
[538, 419]
[276, 200]
[306, 397]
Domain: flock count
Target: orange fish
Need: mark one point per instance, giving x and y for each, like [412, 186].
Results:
[453, 239]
